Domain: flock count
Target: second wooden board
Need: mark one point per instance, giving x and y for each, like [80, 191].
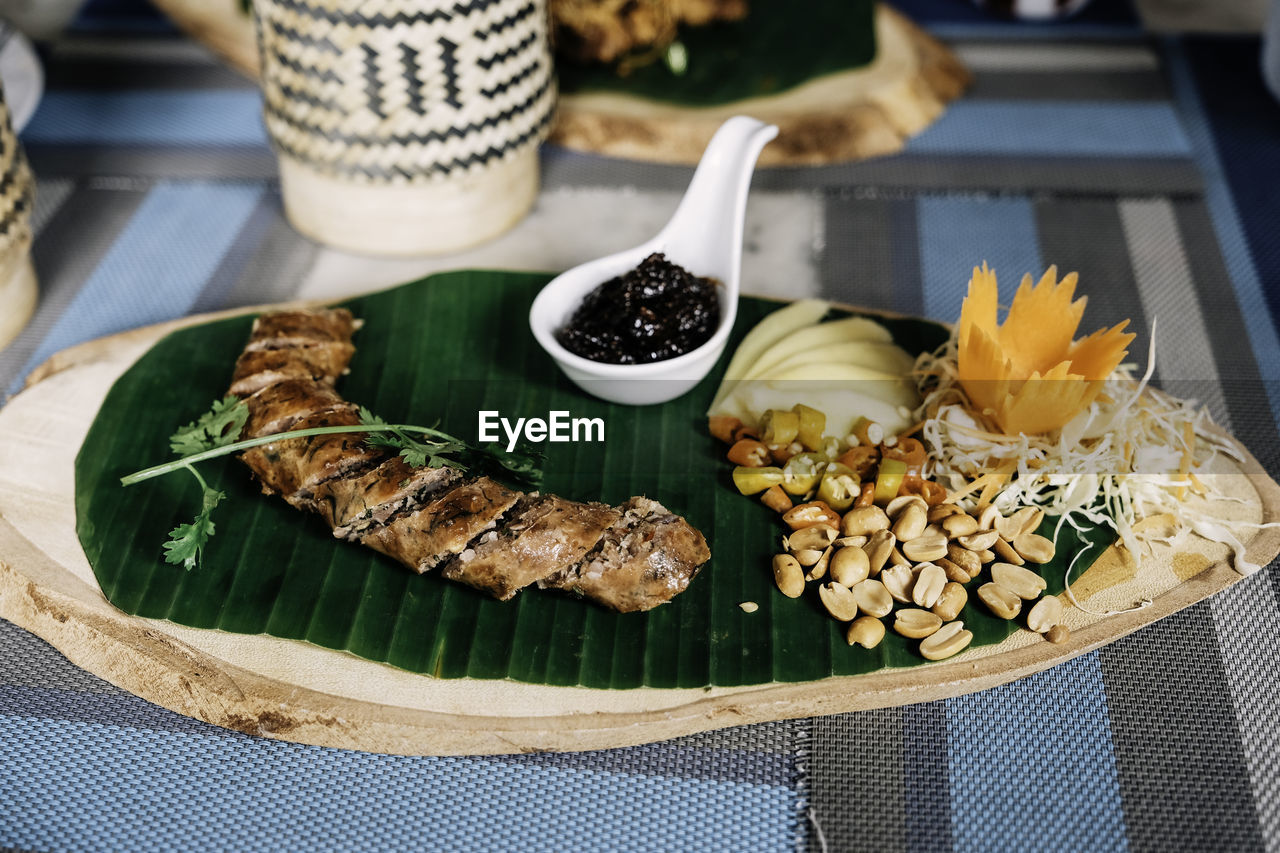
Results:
[848, 115]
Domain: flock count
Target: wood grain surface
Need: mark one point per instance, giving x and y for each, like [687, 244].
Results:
[299, 692]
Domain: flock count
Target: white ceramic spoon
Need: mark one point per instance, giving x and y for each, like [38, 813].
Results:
[704, 236]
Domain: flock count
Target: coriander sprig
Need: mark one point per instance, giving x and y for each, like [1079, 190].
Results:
[217, 433]
[434, 452]
[186, 541]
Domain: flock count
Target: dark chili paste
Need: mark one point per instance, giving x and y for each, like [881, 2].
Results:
[654, 312]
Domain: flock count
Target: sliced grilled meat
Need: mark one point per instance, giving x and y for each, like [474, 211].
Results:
[424, 538]
[258, 368]
[645, 559]
[353, 505]
[295, 467]
[302, 327]
[276, 408]
[630, 558]
[543, 535]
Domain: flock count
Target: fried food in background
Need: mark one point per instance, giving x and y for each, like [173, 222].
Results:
[608, 30]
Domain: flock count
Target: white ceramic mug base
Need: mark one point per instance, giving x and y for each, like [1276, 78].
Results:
[428, 218]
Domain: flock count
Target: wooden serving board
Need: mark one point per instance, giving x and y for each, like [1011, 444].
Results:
[850, 115]
[300, 692]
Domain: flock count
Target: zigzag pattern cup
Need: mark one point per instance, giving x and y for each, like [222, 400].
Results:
[17, 195]
[406, 126]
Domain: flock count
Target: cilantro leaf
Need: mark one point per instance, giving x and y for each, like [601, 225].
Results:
[433, 451]
[218, 427]
[186, 541]
[521, 467]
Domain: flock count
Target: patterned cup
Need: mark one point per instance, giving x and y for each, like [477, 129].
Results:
[406, 127]
[17, 194]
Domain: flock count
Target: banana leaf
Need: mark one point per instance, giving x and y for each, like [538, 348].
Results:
[438, 350]
[778, 46]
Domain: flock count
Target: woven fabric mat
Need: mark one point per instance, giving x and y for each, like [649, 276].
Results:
[1148, 166]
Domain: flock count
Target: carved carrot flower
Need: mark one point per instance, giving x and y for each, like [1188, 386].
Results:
[1028, 374]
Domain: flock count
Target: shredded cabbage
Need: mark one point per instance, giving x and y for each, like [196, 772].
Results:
[1131, 455]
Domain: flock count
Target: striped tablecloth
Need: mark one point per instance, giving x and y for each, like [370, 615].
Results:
[1150, 166]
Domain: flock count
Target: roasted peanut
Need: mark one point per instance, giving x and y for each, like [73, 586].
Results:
[866, 631]
[1046, 613]
[961, 524]
[1034, 548]
[895, 507]
[929, 545]
[965, 559]
[955, 573]
[1027, 520]
[916, 624]
[910, 522]
[1023, 583]
[807, 515]
[749, 607]
[943, 510]
[978, 541]
[953, 599]
[850, 566]
[1058, 634]
[839, 601]
[788, 575]
[1008, 526]
[1034, 518]
[850, 541]
[1002, 602]
[879, 548]
[987, 517]
[1005, 552]
[819, 569]
[898, 580]
[930, 579]
[986, 555]
[873, 599]
[950, 639]
[807, 556]
[863, 521]
[817, 537]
